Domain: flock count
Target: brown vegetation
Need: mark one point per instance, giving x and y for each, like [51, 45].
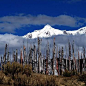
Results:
[16, 74]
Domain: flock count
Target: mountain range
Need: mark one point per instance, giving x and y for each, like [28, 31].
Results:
[49, 31]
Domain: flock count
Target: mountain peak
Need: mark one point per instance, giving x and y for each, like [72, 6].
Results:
[47, 26]
[49, 31]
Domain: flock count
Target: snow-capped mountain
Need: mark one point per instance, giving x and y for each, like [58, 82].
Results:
[49, 31]
[79, 31]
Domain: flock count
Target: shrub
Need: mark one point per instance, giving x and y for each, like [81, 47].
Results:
[70, 73]
[12, 68]
[21, 80]
[67, 73]
[51, 81]
[27, 69]
[82, 78]
[1, 77]
[4, 79]
[43, 80]
[15, 68]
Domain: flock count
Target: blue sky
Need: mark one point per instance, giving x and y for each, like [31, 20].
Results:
[19, 17]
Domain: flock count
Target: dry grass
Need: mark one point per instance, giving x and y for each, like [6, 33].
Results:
[26, 77]
[46, 80]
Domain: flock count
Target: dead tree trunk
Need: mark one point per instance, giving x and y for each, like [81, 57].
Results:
[47, 62]
[21, 58]
[4, 57]
[16, 54]
[39, 54]
[66, 59]
[34, 58]
[1, 62]
[69, 57]
[8, 57]
[73, 55]
[81, 65]
[62, 54]
[54, 58]
[24, 49]
[83, 59]
[5, 54]
[57, 66]
[47, 58]
[78, 63]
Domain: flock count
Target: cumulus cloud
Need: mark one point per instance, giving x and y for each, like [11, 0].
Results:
[11, 23]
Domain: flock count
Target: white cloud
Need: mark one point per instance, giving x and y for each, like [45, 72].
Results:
[11, 23]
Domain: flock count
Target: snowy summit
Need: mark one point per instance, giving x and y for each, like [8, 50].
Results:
[49, 31]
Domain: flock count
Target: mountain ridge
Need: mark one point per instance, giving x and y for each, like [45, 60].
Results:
[49, 31]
